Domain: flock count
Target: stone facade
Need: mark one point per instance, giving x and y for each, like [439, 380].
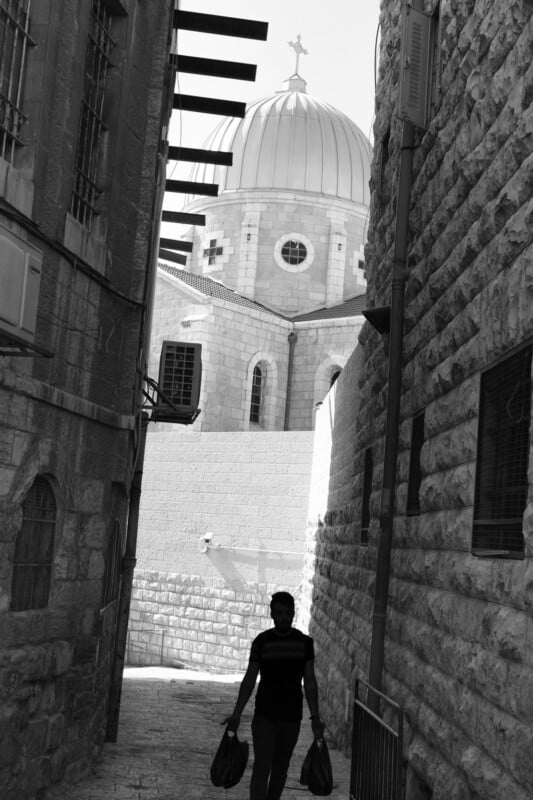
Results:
[237, 334]
[333, 272]
[67, 421]
[199, 604]
[458, 655]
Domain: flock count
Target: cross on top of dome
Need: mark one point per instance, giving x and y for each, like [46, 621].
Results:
[296, 83]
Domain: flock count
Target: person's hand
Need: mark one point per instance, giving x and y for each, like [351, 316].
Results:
[318, 728]
[232, 722]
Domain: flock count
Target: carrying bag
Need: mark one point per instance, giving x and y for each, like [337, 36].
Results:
[316, 771]
[230, 761]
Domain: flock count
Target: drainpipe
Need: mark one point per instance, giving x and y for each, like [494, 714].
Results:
[292, 338]
[399, 277]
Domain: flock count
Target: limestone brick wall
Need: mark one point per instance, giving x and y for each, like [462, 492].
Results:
[200, 606]
[319, 350]
[458, 654]
[67, 420]
[252, 267]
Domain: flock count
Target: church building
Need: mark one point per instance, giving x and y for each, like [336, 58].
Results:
[274, 285]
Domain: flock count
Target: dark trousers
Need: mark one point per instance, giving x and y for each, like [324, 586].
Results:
[274, 743]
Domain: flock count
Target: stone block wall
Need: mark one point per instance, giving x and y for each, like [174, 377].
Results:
[67, 420]
[458, 655]
[200, 606]
[279, 213]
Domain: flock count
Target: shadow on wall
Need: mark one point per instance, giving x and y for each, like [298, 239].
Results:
[335, 601]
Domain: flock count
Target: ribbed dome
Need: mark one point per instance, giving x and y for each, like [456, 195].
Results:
[291, 141]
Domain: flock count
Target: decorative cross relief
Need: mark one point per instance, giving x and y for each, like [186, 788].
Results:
[299, 49]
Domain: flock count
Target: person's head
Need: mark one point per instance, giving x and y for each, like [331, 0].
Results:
[282, 610]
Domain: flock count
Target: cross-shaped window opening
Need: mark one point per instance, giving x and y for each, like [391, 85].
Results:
[212, 251]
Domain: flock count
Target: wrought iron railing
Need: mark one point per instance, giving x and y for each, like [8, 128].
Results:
[376, 772]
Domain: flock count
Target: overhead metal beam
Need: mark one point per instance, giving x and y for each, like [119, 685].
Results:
[175, 244]
[236, 70]
[197, 155]
[175, 257]
[183, 218]
[209, 105]
[223, 26]
[192, 187]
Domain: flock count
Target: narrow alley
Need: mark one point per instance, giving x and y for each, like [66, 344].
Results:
[169, 731]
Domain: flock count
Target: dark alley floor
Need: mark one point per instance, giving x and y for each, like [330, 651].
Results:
[169, 731]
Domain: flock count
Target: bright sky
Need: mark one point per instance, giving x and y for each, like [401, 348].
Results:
[339, 36]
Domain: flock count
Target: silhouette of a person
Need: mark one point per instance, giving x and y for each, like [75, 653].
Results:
[283, 656]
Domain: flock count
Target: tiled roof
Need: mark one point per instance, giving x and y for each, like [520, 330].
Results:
[350, 308]
[213, 288]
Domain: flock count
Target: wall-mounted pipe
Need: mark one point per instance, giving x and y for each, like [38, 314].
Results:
[399, 278]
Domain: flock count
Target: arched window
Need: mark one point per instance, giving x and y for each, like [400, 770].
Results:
[334, 377]
[257, 387]
[34, 549]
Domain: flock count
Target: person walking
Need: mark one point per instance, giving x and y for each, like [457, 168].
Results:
[283, 656]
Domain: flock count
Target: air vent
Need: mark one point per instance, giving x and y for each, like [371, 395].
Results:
[415, 66]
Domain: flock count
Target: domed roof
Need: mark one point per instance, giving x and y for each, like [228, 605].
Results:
[291, 141]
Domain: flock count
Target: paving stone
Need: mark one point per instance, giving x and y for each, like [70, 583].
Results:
[169, 732]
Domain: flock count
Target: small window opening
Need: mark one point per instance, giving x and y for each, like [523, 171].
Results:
[334, 377]
[257, 387]
[367, 491]
[294, 252]
[34, 549]
[415, 470]
[502, 457]
[112, 568]
[213, 251]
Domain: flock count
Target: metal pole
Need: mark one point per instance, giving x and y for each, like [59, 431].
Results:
[128, 566]
[292, 337]
[399, 276]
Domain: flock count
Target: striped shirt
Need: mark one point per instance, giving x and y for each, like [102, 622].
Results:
[281, 660]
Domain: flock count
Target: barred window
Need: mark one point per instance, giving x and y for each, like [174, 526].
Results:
[112, 565]
[367, 491]
[92, 125]
[415, 472]
[502, 457]
[34, 548]
[257, 388]
[14, 41]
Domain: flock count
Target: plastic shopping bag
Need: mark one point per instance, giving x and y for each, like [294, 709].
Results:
[230, 761]
[316, 770]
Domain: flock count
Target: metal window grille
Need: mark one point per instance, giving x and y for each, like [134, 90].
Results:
[14, 41]
[376, 770]
[415, 471]
[257, 385]
[212, 251]
[97, 63]
[367, 491]
[112, 566]
[502, 457]
[294, 252]
[177, 377]
[32, 563]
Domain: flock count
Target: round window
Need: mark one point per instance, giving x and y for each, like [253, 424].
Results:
[294, 252]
